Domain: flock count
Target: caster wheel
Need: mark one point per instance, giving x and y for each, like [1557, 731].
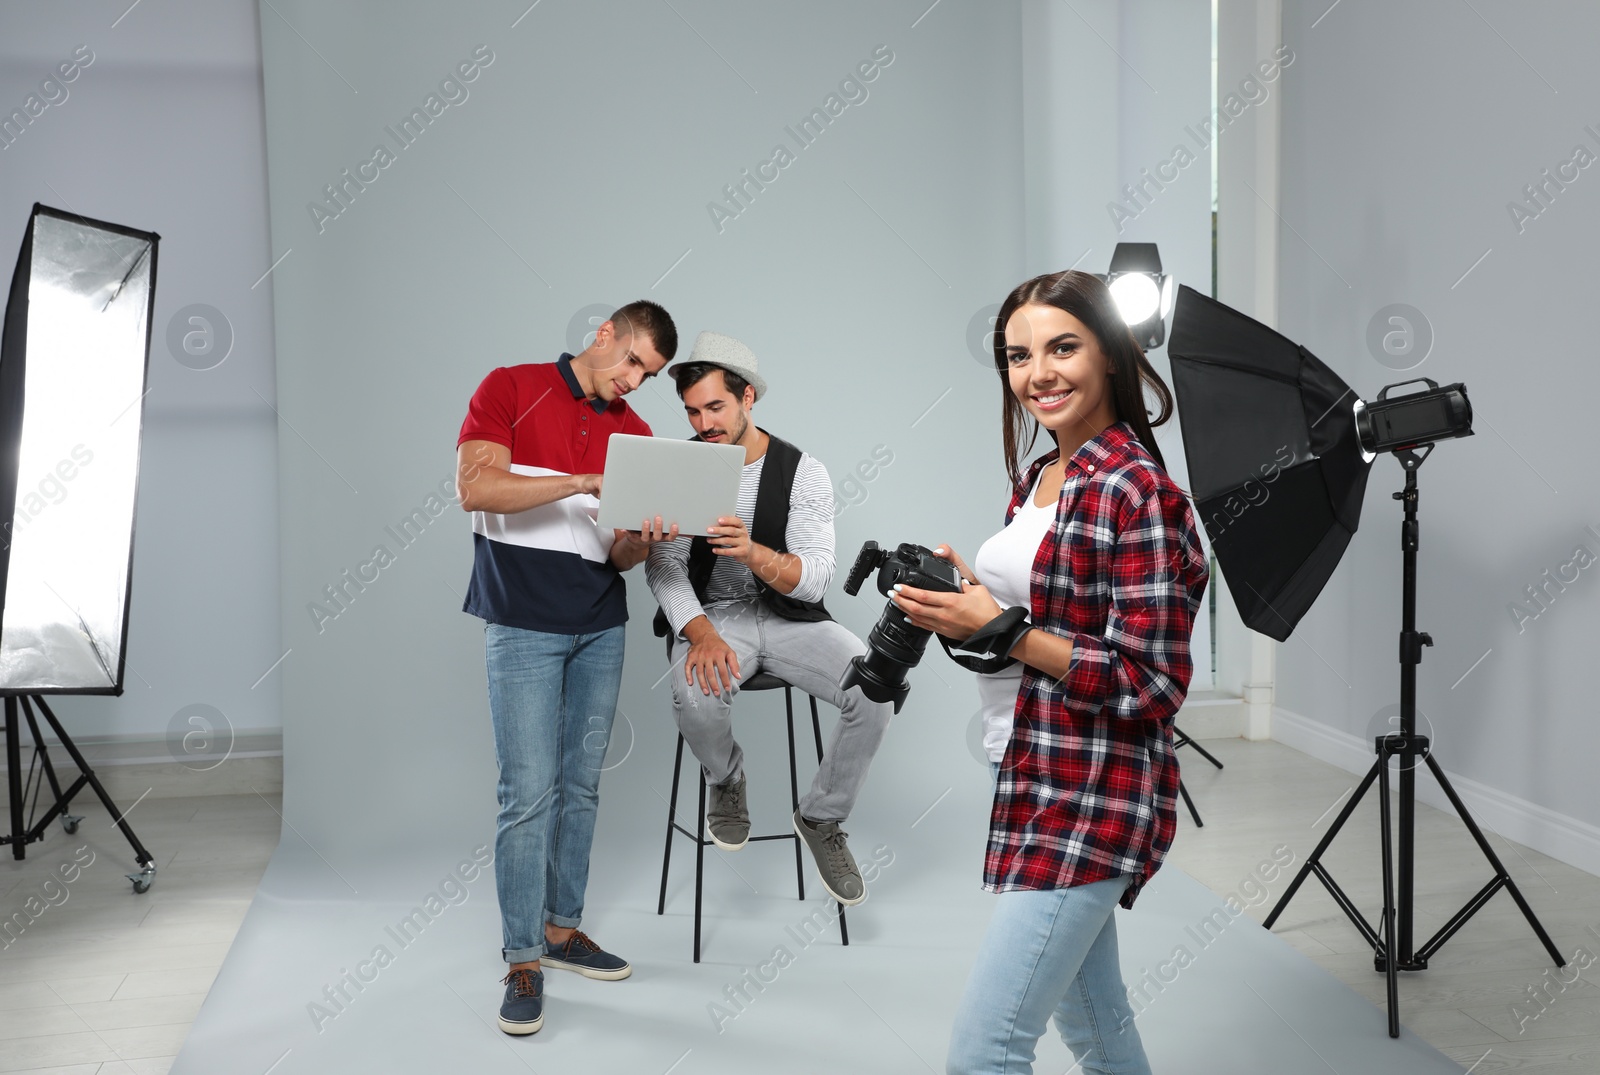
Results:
[141, 885]
[70, 824]
[143, 879]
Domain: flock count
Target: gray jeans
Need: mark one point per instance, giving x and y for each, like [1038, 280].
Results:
[812, 657]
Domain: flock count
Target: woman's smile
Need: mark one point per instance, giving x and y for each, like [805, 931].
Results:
[1053, 400]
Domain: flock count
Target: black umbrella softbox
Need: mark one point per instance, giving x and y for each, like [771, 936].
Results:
[1277, 472]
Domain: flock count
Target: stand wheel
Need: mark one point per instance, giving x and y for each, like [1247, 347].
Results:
[69, 823]
[143, 879]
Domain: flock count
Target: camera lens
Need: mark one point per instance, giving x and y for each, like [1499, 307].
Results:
[897, 639]
[894, 646]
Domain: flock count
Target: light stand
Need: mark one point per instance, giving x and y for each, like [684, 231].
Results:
[1392, 941]
[74, 365]
[26, 832]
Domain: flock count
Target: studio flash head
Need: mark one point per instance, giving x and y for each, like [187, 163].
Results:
[1414, 419]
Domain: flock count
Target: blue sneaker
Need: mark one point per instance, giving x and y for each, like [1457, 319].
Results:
[522, 1012]
[587, 958]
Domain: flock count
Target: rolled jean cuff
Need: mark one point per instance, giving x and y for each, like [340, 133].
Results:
[523, 955]
[562, 921]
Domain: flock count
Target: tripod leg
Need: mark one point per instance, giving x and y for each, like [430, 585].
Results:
[1391, 951]
[1190, 804]
[1315, 860]
[63, 800]
[1405, 863]
[1204, 753]
[14, 777]
[44, 753]
[1494, 860]
[140, 855]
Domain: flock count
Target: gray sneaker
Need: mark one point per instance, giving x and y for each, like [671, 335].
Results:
[835, 865]
[728, 815]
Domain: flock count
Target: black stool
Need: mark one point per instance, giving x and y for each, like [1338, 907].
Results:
[761, 681]
[1184, 741]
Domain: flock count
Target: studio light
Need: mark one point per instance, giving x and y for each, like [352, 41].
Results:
[1143, 293]
[1137, 297]
[72, 378]
[1414, 419]
[1278, 462]
[73, 363]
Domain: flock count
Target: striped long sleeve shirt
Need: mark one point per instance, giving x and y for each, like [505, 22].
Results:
[809, 536]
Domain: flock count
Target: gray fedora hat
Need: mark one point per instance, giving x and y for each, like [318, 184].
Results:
[726, 352]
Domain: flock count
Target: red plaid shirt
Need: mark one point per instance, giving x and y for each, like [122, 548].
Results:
[1089, 783]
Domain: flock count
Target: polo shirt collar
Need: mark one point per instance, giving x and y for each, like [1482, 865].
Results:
[564, 364]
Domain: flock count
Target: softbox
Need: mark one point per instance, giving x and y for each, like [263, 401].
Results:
[74, 359]
[1278, 474]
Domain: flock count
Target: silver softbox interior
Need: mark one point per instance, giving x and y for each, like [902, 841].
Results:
[73, 365]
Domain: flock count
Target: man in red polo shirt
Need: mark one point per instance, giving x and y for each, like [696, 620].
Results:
[547, 581]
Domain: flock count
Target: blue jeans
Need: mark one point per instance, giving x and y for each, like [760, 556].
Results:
[552, 698]
[1052, 951]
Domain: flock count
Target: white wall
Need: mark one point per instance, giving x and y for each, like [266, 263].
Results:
[1408, 130]
[1109, 88]
[1252, 71]
[163, 131]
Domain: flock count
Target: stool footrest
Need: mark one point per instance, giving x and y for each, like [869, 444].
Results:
[753, 839]
[703, 841]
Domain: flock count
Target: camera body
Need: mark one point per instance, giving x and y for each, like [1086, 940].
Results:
[910, 564]
[894, 645]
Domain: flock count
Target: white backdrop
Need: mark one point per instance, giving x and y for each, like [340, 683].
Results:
[573, 172]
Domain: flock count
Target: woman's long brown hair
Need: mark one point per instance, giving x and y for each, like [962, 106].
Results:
[1086, 297]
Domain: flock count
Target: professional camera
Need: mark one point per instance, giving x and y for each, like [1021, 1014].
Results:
[894, 646]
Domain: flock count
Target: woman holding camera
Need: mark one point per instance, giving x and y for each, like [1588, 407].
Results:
[1102, 562]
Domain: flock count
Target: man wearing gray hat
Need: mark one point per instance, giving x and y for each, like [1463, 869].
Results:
[748, 598]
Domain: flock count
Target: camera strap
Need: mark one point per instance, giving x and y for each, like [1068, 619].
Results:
[985, 650]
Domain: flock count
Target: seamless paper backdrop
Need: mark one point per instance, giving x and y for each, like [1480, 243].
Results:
[451, 192]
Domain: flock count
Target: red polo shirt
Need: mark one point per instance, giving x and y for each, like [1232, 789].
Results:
[547, 568]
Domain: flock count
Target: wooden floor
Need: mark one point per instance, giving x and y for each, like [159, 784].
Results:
[103, 981]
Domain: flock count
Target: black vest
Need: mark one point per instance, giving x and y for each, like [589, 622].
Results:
[770, 528]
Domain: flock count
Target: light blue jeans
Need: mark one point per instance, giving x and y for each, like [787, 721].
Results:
[1048, 952]
[552, 698]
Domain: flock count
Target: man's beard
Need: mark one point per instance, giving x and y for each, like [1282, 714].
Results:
[735, 438]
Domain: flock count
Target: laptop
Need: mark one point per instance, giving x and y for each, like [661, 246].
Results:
[687, 482]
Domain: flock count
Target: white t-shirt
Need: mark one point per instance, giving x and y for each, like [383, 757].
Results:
[1004, 564]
